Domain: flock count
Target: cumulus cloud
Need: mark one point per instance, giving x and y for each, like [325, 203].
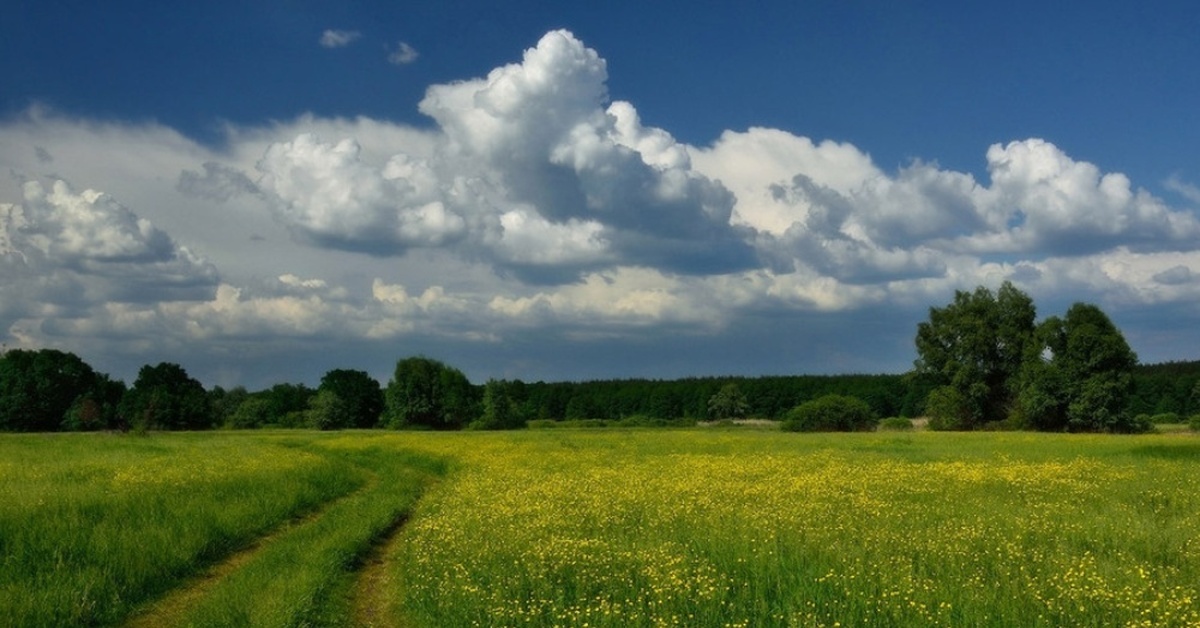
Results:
[535, 170]
[402, 54]
[334, 38]
[64, 253]
[330, 195]
[536, 206]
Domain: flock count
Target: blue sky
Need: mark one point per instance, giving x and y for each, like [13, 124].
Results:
[264, 191]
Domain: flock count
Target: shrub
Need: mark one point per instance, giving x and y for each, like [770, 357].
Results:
[831, 413]
[1194, 423]
[896, 424]
[1164, 418]
[947, 409]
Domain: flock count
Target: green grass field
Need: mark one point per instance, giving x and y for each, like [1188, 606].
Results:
[696, 527]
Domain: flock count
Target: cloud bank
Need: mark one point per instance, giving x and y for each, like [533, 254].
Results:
[538, 205]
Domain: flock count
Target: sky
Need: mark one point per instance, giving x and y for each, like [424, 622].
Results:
[265, 191]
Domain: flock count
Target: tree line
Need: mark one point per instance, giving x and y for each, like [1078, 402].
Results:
[983, 362]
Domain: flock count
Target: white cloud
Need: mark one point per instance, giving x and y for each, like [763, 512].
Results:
[402, 54]
[334, 38]
[535, 206]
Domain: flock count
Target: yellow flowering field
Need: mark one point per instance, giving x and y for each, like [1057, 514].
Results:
[732, 528]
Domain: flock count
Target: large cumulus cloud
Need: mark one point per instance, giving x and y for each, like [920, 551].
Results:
[535, 169]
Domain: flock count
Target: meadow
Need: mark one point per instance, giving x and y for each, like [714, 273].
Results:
[639, 527]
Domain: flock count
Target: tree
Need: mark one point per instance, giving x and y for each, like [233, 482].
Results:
[426, 393]
[1079, 375]
[359, 398]
[500, 411]
[224, 403]
[165, 397]
[728, 403]
[253, 411]
[977, 345]
[831, 413]
[38, 389]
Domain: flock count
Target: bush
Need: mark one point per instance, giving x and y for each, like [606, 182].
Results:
[1165, 418]
[896, 424]
[1194, 423]
[831, 413]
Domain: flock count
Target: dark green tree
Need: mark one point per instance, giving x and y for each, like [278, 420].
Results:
[426, 393]
[98, 407]
[359, 398]
[165, 397]
[224, 403]
[728, 403]
[977, 345]
[287, 404]
[500, 410]
[39, 388]
[1079, 375]
[254, 411]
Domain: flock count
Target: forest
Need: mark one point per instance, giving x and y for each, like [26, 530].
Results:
[982, 363]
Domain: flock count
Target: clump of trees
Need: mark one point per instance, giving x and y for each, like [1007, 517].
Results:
[995, 366]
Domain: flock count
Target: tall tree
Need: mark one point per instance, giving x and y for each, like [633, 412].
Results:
[165, 397]
[977, 345]
[1079, 374]
[728, 403]
[39, 388]
[500, 410]
[426, 393]
[359, 398]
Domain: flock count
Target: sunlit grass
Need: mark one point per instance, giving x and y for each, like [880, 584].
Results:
[760, 529]
[92, 524]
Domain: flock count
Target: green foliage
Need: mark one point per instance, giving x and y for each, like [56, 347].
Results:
[1194, 423]
[359, 399]
[1162, 418]
[254, 411]
[225, 403]
[947, 409]
[165, 397]
[831, 413]
[47, 390]
[728, 403]
[977, 345]
[1078, 375]
[896, 424]
[500, 410]
[425, 393]
[327, 411]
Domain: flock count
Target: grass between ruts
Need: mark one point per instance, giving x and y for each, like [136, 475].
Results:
[92, 525]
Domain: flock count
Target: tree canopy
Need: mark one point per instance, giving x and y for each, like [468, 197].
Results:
[48, 389]
[426, 393]
[977, 345]
[164, 396]
[994, 364]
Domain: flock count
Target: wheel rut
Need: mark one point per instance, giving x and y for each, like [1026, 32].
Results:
[173, 606]
[371, 606]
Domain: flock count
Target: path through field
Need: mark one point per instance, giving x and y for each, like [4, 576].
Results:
[171, 609]
[329, 567]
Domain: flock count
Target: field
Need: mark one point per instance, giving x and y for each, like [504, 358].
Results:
[704, 527]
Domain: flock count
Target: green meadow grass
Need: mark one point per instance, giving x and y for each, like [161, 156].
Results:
[728, 528]
[94, 525]
[603, 528]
